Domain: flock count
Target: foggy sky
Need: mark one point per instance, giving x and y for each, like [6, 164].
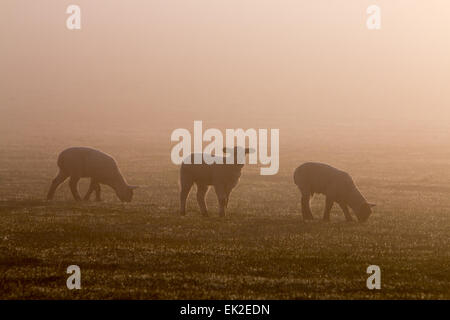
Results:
[246, 61]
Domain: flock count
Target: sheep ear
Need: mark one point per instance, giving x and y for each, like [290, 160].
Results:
[133, 187]
[371, 205]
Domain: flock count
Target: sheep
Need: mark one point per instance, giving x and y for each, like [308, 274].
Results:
[223, 176]
[83, 162]
[336, 185]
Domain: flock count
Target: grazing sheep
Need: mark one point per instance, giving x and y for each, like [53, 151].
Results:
[224, 177]
[336, 185]
[81, 162]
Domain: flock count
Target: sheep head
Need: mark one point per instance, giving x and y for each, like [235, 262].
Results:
[238, 154]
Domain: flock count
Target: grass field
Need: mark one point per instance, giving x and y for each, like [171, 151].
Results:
[261, 250]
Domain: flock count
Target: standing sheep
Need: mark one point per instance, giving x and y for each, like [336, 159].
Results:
[82, 162]
[336, 185]
[224, 177]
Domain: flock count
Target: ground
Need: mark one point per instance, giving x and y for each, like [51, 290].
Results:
[261, 250]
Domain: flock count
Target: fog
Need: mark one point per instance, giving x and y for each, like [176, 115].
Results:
[306, 67]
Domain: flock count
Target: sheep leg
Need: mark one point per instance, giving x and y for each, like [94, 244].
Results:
[344, 208]
[97, 192]
[201, 194]
[328, 205]
[73, 183]
[60, 178]
[94, 186]
[185, 189]
[306, 209]
[222, 197]
[228, 192]
[90, 190]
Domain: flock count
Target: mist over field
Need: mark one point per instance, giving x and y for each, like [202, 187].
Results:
[373, 103]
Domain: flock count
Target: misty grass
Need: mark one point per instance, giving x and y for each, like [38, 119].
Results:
[261, 250]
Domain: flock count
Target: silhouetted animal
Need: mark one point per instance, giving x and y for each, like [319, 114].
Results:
[336, 185]
[224, 177]
[82, 162]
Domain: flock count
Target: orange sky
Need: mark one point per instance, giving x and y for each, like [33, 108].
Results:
[228, 59]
